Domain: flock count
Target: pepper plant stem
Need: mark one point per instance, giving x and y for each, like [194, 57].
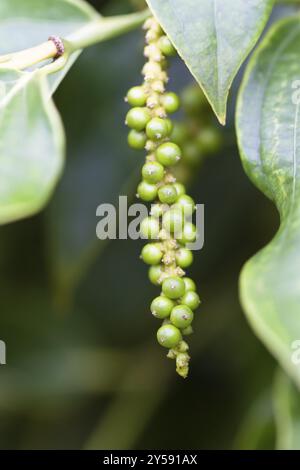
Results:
[96, 31]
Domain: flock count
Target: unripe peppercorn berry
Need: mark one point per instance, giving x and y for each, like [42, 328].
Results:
[194, 100]
[209, 140]
[156, 210]
[157, 129]
[181, 316]
[167, 194]
[168, 154]
[161, 307]
[187, 331]
[136, 96]
[191, 299]
[173, 221]
[191, 155]
[170, 102]
[151, 254]
[166, 46]
[186, 204]
[189, 233]
[168, 336]
[180, 188]
[184, 258]
[150, 228]
[153, 172]
[179, 133]
[137, 118]
[170, 125]
[173, 287]
[155, 273]
[146, 191]
[190, 286]
[137, 140]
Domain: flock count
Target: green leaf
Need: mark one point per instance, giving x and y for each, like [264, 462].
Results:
[268, 130]
[31, 146]
[286, 402]
[257, 427]
[214, 38]
[31, 134]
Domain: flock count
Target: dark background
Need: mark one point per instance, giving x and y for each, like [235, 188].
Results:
[83, 366]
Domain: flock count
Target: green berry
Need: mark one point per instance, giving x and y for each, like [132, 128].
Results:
[173, 221]
[156, 210]
[193, 100]
[167, 194]
[155, 273]
[153, 172]
[168, 154]
[189, 233]
[180, 188]
[151, 254]
[166, 46]
[136, 96]
[168, 336]
[187, 331]
[161, 307]
[170, 125]
[190, 286]
[170, 102]
[146, 191]
[184, 258]
[191, 154]
[209, 140]
[186, 204]
[181, 316]
[191, 299]
[137, 140]
[173, 287]
[179, 133]
[157, 129]
[150, 228]
[137, 118]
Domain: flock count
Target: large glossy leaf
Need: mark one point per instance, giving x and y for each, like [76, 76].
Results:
[268, 129]
[31, 136]
[213, 37]
[286, 400]
[31, 147]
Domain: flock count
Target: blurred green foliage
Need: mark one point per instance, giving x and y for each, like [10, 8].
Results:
[83, 369]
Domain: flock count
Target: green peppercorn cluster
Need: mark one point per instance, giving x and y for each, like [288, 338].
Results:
[197, 133]
[168, 225]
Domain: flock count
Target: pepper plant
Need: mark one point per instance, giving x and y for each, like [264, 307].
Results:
[39, 43]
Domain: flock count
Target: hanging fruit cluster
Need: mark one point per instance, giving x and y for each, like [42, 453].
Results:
[168, 226]
[196, 133]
